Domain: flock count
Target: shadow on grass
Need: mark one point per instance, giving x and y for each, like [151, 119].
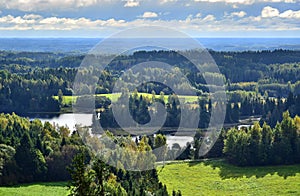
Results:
[228, 171]
[57, 184]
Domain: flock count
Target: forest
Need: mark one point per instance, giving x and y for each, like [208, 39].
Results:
[33, 84]
[29, 80]
[264, 145]
[33, 152]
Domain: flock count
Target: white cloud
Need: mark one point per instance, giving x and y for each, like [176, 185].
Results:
[37, 22]
[46, 5]
[132, 3]
[209, 23]
[255, 19]
[149, 15]
[279, 1]
[198, 15]
[167, 1]
[40, 5]
[246, 2]
[290, 14]
[9, 19]
[235, 6]
[239, 14]
[189, 17]
[32, 16]
[268, 12]
[209, 18]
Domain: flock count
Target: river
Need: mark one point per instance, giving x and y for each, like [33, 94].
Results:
[70, 120]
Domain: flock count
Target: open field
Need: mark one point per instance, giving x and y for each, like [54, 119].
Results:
[114, 97]
[37, 189]
[68, 99]
[218, 178]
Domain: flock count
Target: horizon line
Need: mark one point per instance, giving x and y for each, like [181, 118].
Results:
[206, 37]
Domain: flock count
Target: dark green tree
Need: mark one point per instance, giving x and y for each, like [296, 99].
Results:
[81, 177]
[30, 160]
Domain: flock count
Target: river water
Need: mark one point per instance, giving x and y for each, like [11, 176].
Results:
[72, 119]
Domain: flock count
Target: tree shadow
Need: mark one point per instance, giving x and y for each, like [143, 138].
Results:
[228, 171]
[57, 184]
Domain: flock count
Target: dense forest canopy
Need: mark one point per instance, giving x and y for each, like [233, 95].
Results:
[263, 83]
[260, 81]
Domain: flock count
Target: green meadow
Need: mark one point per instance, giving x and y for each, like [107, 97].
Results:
[115, 96]
[219, 178]
[36, 189]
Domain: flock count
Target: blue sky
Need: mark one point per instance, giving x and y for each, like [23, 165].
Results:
[197, 18]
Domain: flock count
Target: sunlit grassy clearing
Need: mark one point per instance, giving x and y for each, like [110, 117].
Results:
[219, 178]
[37, 189]
[115, 96]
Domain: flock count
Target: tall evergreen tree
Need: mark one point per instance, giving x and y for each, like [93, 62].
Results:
[30, 160]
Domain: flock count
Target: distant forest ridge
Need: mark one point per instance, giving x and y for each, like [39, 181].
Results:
[83, 45]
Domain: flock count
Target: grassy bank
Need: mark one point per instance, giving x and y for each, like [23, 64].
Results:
[219, 178]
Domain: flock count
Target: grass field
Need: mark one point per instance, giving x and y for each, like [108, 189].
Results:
[69, 99]
[37, 189]
[114, 97]
[219, 178]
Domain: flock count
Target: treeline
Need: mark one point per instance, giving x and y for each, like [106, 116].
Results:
[32, 92]
[126, 174]
[261, 71]
[253, 146]
[254, 65]
[270, 109]
[28, 80]
[31, 151]
[263, 145]
[257, 145]
[40, 59]
[274, 108]
[240, 104]
[139, 108]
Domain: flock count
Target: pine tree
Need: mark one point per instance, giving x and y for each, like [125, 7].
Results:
[266, 144]
[60, 96]
[81, 180]
[254, 144]
[30, 160]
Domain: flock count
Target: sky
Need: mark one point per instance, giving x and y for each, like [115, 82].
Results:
[196, 18]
